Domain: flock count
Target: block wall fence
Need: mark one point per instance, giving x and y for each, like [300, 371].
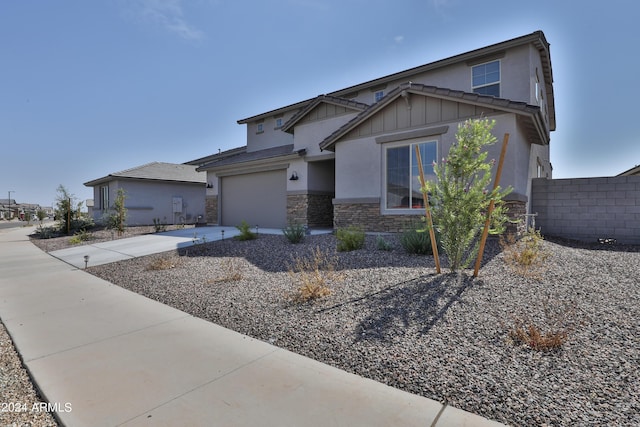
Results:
[588, 209]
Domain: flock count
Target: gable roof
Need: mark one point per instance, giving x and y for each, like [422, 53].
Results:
[630, 172]
[537, 38]
[156, 171]
[253, 156]
[532, 114]
[328, 99]
[215, 157]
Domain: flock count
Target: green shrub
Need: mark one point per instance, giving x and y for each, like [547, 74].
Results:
[382, 244]
[245, 232]
[350, 239]
[159, 226]
[416, 241]
[80, 236]
[294, 233]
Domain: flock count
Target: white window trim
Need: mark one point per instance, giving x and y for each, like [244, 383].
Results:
[383, 190]
[499, 82]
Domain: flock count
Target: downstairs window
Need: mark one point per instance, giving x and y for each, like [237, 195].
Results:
[402, 183]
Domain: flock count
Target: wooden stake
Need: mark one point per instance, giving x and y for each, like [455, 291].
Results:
[427, 210]
[496, 182]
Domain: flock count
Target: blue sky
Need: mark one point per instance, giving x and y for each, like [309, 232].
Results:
[93, 87]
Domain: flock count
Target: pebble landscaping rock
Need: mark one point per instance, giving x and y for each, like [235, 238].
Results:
[20, 404]
[391, 318]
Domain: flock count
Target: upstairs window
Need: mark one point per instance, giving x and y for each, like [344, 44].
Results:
[378, 95]
[402, 174]
[278, 122]
[260, 128]
[485, 78]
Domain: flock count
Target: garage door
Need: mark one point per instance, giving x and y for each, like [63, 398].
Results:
[258, 198]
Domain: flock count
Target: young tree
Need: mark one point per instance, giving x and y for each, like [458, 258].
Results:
[69, 212]
[120, 212]
[460, 196]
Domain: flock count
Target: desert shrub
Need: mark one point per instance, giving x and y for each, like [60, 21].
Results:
[294, 232]
[313, 275]
[245, 231]
[416, 241]
[526, 256]
[230, 272]
[46, 232]
[349, 239]
[159, 226]
[80, 237]
[164, 263]
[548, 331]
[537, 339]
[382, 244]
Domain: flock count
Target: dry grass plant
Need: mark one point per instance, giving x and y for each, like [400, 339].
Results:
[313, 275]
[549, 333]
[230, 269]
[526, 256]
[164, 263]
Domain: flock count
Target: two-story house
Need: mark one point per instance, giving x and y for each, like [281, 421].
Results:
[347, 157]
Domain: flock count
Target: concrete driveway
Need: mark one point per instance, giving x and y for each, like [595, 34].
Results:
[132, 247]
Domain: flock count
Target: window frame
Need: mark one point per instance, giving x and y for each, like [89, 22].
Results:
[409, 144]
[498, 83]
[378, 95]
[104, 197]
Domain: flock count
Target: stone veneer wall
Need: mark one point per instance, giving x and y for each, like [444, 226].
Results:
[211, 209]
[312, 210]
[366, 215]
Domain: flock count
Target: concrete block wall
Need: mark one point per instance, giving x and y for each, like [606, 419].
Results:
[588, 209]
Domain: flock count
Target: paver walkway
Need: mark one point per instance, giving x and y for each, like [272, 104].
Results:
[106, 356]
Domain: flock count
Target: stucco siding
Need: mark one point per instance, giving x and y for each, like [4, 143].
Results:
[146, 200]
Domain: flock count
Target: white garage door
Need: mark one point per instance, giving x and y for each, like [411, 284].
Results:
[258, 198]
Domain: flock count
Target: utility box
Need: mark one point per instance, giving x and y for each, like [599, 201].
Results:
[177, 205]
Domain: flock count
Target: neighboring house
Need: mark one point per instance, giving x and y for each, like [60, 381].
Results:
[631, 172]
[346, 158]
[167, 192]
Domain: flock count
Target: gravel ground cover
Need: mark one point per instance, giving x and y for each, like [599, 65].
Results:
[20, 404]
[446, 337]
[391, 318]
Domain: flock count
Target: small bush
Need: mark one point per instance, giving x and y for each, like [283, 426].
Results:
[314, 274]
[382, 244]
[165, 263]
[159, 226]
[230, 272]
[532, 336]
[550, 331]
[294, 233]
[525, 256]
[245, 232]
[46, 232]
[80, 237]
[349, 239]
[416, 241]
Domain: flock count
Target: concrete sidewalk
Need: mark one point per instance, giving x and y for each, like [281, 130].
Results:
[109, 357]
